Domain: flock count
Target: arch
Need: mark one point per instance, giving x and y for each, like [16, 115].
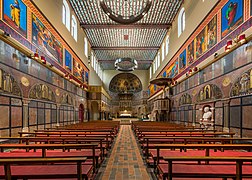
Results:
[66, 14]
[94, 110]
[9, 85]
[125, 83]
[181, 21]
[42, 92]
[81, 113]
[209, 92]
[185, 99]
[74, 28]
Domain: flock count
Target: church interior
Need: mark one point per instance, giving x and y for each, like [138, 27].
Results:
[126, 89]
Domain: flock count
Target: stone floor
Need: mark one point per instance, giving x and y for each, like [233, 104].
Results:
[125, 161]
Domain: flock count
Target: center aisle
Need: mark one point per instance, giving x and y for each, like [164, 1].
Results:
[125, 161]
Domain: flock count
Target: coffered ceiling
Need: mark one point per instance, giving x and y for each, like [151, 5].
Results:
[111, 40]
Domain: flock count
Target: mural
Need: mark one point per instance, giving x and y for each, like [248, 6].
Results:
[15, 14]
[45, 40]
[185, 99]
[8, 84]
[68, 61]
[209, 92]
[164, 74]
[43, 92]
[211, 30]
[182, 60]
[173, 70]
[190, 52]
[67, 99]
[243, 85]
[231, 16]
[86, 77]
[78, 71]
[201, 43]
[125, 83]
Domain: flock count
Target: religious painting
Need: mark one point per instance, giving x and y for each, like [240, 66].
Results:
[211, 30]
[231, 16]
[190, 52]
[15, 14]
[86, 77]
[182, 60]
[172, 70]
[78, 70]
[201, 43]
[209, 92]
[45, 40]
[68, 61]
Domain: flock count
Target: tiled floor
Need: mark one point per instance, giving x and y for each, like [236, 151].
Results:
[125, 161]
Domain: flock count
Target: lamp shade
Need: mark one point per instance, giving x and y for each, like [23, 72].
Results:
[242, 38]
[227, 48]
[36, 55]
[43, 60]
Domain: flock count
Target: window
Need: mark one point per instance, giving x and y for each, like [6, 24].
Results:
[86, 47]
[163, 51]
[158, 59]
[66, 14]
[181, 21]
[92, 59]
[154, 66]
[150, 72]
[74, 28]
[167, 45]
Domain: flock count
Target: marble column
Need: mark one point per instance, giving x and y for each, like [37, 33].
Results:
[58, 115]
[25, 115]
[194, 115]
[226, 115]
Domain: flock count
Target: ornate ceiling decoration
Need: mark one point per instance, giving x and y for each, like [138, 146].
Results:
[125, 83]
[139, 41]
[126, 64]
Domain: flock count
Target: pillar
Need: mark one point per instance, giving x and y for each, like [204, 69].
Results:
[226, 115]
[58, 115]
[25, 115]
[194, 115]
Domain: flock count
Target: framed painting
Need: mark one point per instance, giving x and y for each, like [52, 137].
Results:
[86, 77]
[15, 14]
[201, 43]
[43, 39]
[211, 30]
[68, 61]
[182, 60]
[231, 16]
[78, 70]
[173, 70]
[190, 52]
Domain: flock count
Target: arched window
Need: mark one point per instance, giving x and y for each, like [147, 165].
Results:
[163, 51]
[181, 21]
[74, 28]
[167, 45]
[66, 14]
[92, 59]
[86, 47]
[150, 72]
[158, 59]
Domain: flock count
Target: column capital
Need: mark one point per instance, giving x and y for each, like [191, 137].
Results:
[26, 101]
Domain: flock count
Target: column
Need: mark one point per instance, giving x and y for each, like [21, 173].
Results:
[58, 115]
[25, 115]
[194, 115]
[226, 115]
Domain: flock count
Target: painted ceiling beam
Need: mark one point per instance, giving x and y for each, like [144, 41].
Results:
[128, 26]
[126, 48]
[138, 61]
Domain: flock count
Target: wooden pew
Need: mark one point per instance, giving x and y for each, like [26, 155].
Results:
[41, 163]
[237, 171]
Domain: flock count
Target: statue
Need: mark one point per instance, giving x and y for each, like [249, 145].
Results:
[206, 118]
[244, 81]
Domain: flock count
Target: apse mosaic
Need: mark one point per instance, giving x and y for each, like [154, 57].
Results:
[243, 85]
[182, 60]
[231, 16]
[125, 83]
[43, 38]
[15, 14]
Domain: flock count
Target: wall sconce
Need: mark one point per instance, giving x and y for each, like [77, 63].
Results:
[216, 55]
[36, 56]
[229, 44]
[195, 69]
[67, 75]
[43, 60]
[227, 48]
[242, 38]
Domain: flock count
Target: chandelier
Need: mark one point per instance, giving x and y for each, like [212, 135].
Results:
[127, 11]
[126, 64]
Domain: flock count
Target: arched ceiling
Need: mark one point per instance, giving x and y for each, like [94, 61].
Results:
[139, 41]
[125, 83]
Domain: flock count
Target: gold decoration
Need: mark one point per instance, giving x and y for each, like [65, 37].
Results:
[226, 81]
[194, 92]
[25, 81]
[57, 92]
